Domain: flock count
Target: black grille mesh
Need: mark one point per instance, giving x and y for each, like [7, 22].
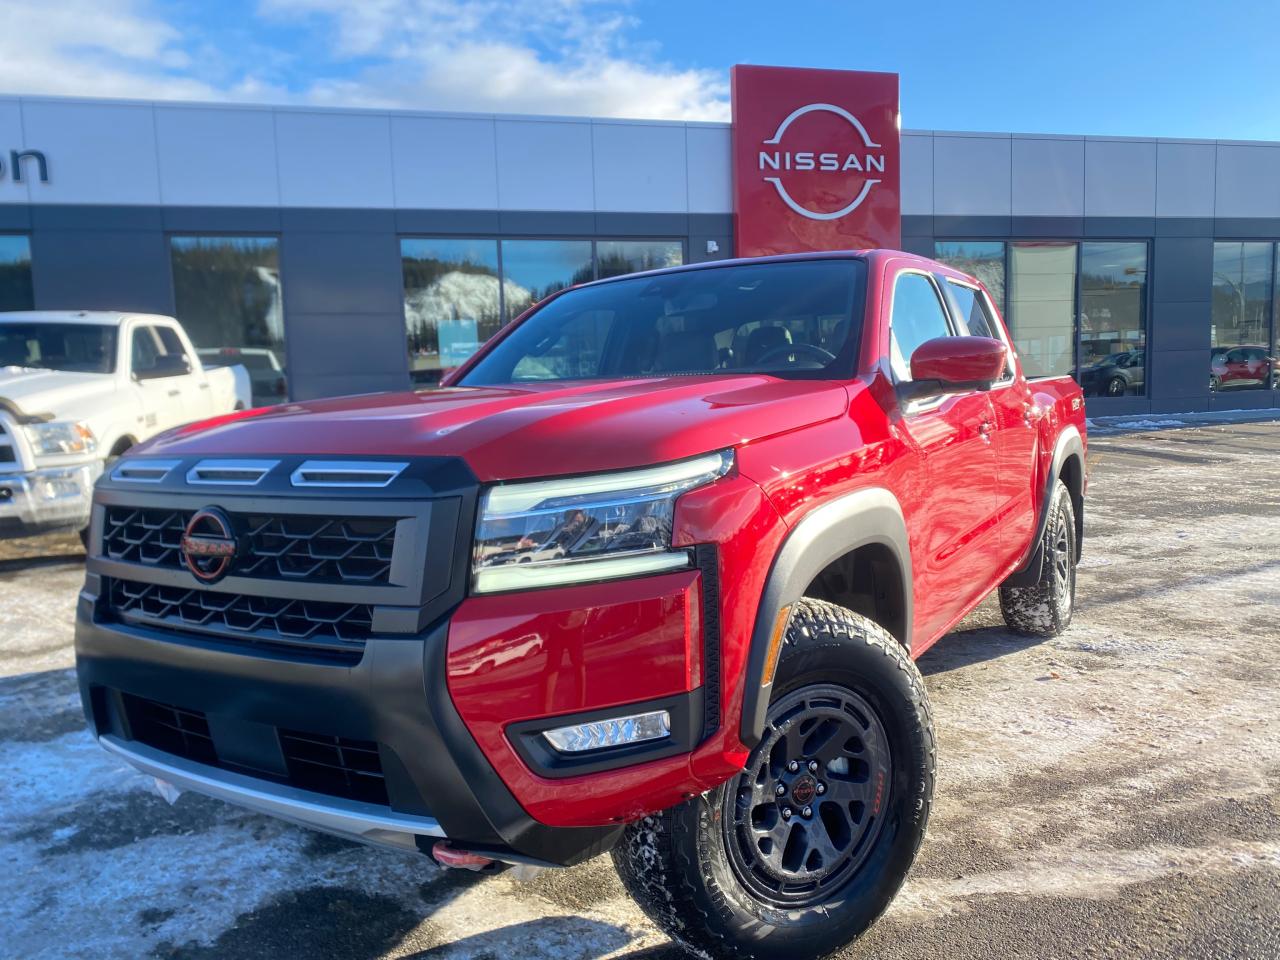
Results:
[335, 766]
[334, 629]
[333, 549]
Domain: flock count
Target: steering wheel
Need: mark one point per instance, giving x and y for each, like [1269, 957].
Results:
[821, 354]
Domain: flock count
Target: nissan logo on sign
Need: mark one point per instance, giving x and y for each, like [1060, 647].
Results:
[209, 545]
[816, 160]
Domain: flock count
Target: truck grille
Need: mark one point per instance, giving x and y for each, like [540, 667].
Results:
[332, 630]
[334, 766]
[284, 547]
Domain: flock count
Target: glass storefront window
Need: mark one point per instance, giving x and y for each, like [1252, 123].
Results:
[983, 259]
[534, 269]
[1113, 332]
[616, 257]
[227, 294]
[15, 273]
[1241, 344]
[452, 302]
[1042, 296]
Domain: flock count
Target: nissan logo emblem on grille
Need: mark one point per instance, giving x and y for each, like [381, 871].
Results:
[209, 545]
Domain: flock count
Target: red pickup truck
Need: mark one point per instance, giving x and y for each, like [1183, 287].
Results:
[648, 574]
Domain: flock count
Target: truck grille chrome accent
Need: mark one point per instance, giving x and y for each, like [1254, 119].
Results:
[242, 473]
[280, 547]
[346, 473]
[143, 471]
[332, 630]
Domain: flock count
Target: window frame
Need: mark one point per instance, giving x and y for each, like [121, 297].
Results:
[946, 316]
[1013, 366]
[1273, 307]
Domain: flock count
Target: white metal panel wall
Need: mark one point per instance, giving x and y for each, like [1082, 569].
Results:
[98, 152]
[917, 173]
[1248, 181]
[708, 163]
[445, 163]
[972, 175]
[210, 157]
[1185, 174]
[10, 138]
[1119, 178]
[329, 159]
[639, 167]
[1047, 177]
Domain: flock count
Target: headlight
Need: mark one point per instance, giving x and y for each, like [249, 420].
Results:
[550, 532]
[61, 437]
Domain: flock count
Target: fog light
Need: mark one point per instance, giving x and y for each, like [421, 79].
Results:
[615, 732]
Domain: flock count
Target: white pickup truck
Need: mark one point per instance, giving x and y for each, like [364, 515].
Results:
[78, 388]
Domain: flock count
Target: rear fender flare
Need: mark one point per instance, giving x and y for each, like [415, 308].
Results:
[870, 516]
[1070, 444]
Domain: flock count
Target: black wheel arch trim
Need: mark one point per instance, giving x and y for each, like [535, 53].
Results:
[1070, 445]
[858, 519]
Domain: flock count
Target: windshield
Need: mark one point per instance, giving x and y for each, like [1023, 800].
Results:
[73, 347]
[798, 319]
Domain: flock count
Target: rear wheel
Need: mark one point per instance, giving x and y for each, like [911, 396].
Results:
[1116, 387]
[1044, 608]
[796, 856]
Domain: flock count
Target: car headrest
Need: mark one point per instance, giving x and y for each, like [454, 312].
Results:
[763, 339]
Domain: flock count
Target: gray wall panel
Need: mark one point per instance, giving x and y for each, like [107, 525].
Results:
[547, 223]
[1179, 404]
[1182, 325]
[915, 225]
[345, 384]
[698, 252]
[1179, 373]
[1122, 227]
[15, 216]
[972, 227]
[1247, 228]
[85, 216]
[1183, 269]
[221, 219]
[324, 220]
[919, 245]
[341, 273]
[642, 225]
[334, 344]
[482, 222]
[1244, 400]
[1184, 226]
[710, 223]
[1048, 228]
[101, 270]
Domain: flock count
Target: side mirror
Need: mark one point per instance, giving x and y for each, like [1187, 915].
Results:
[957, 364]
[166, 365]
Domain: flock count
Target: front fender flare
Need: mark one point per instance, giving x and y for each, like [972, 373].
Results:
[870, 516]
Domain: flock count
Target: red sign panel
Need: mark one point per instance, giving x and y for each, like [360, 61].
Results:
[816, 160]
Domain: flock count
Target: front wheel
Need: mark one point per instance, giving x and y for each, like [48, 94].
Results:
[800, 853]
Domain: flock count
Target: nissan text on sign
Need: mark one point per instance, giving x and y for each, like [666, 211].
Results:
[816, 160]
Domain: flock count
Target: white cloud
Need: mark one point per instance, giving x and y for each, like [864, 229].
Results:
[516, 56]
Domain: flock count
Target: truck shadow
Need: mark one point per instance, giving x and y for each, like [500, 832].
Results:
[964, 648]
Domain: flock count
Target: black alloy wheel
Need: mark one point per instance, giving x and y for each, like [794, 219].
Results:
[803, 816]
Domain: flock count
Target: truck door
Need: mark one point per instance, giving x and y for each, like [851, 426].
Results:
[159, 378]
[952, 500]
[1016, 436]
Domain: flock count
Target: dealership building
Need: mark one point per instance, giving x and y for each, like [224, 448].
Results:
[346, 251]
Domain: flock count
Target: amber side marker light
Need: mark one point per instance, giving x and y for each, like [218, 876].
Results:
[775, 645]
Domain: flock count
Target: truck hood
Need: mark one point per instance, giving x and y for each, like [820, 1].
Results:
[68, 396]
[528, 430]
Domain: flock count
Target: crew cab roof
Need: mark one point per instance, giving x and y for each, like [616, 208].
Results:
[873, 256]
[107, 318]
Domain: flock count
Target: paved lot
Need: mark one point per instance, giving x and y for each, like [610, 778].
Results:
[1112, 793]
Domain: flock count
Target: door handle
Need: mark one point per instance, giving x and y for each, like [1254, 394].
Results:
[204, 386]
[175, 393]
[984, 429]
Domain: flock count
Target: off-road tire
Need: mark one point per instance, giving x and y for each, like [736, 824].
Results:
[1044, 609]
[680, 865]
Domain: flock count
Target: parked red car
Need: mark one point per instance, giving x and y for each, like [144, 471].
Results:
[1233, 368]
[648, 574]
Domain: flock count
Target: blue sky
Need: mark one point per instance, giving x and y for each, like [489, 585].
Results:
[1158, 69]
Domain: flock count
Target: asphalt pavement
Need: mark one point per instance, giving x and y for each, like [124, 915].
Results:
[1114, 792]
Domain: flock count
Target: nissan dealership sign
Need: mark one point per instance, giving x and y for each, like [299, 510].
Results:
[816, 160]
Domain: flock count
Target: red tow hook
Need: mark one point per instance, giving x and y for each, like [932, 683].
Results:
[448, 856]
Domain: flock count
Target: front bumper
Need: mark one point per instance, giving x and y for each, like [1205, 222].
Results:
[51, 498]
[438, 781]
